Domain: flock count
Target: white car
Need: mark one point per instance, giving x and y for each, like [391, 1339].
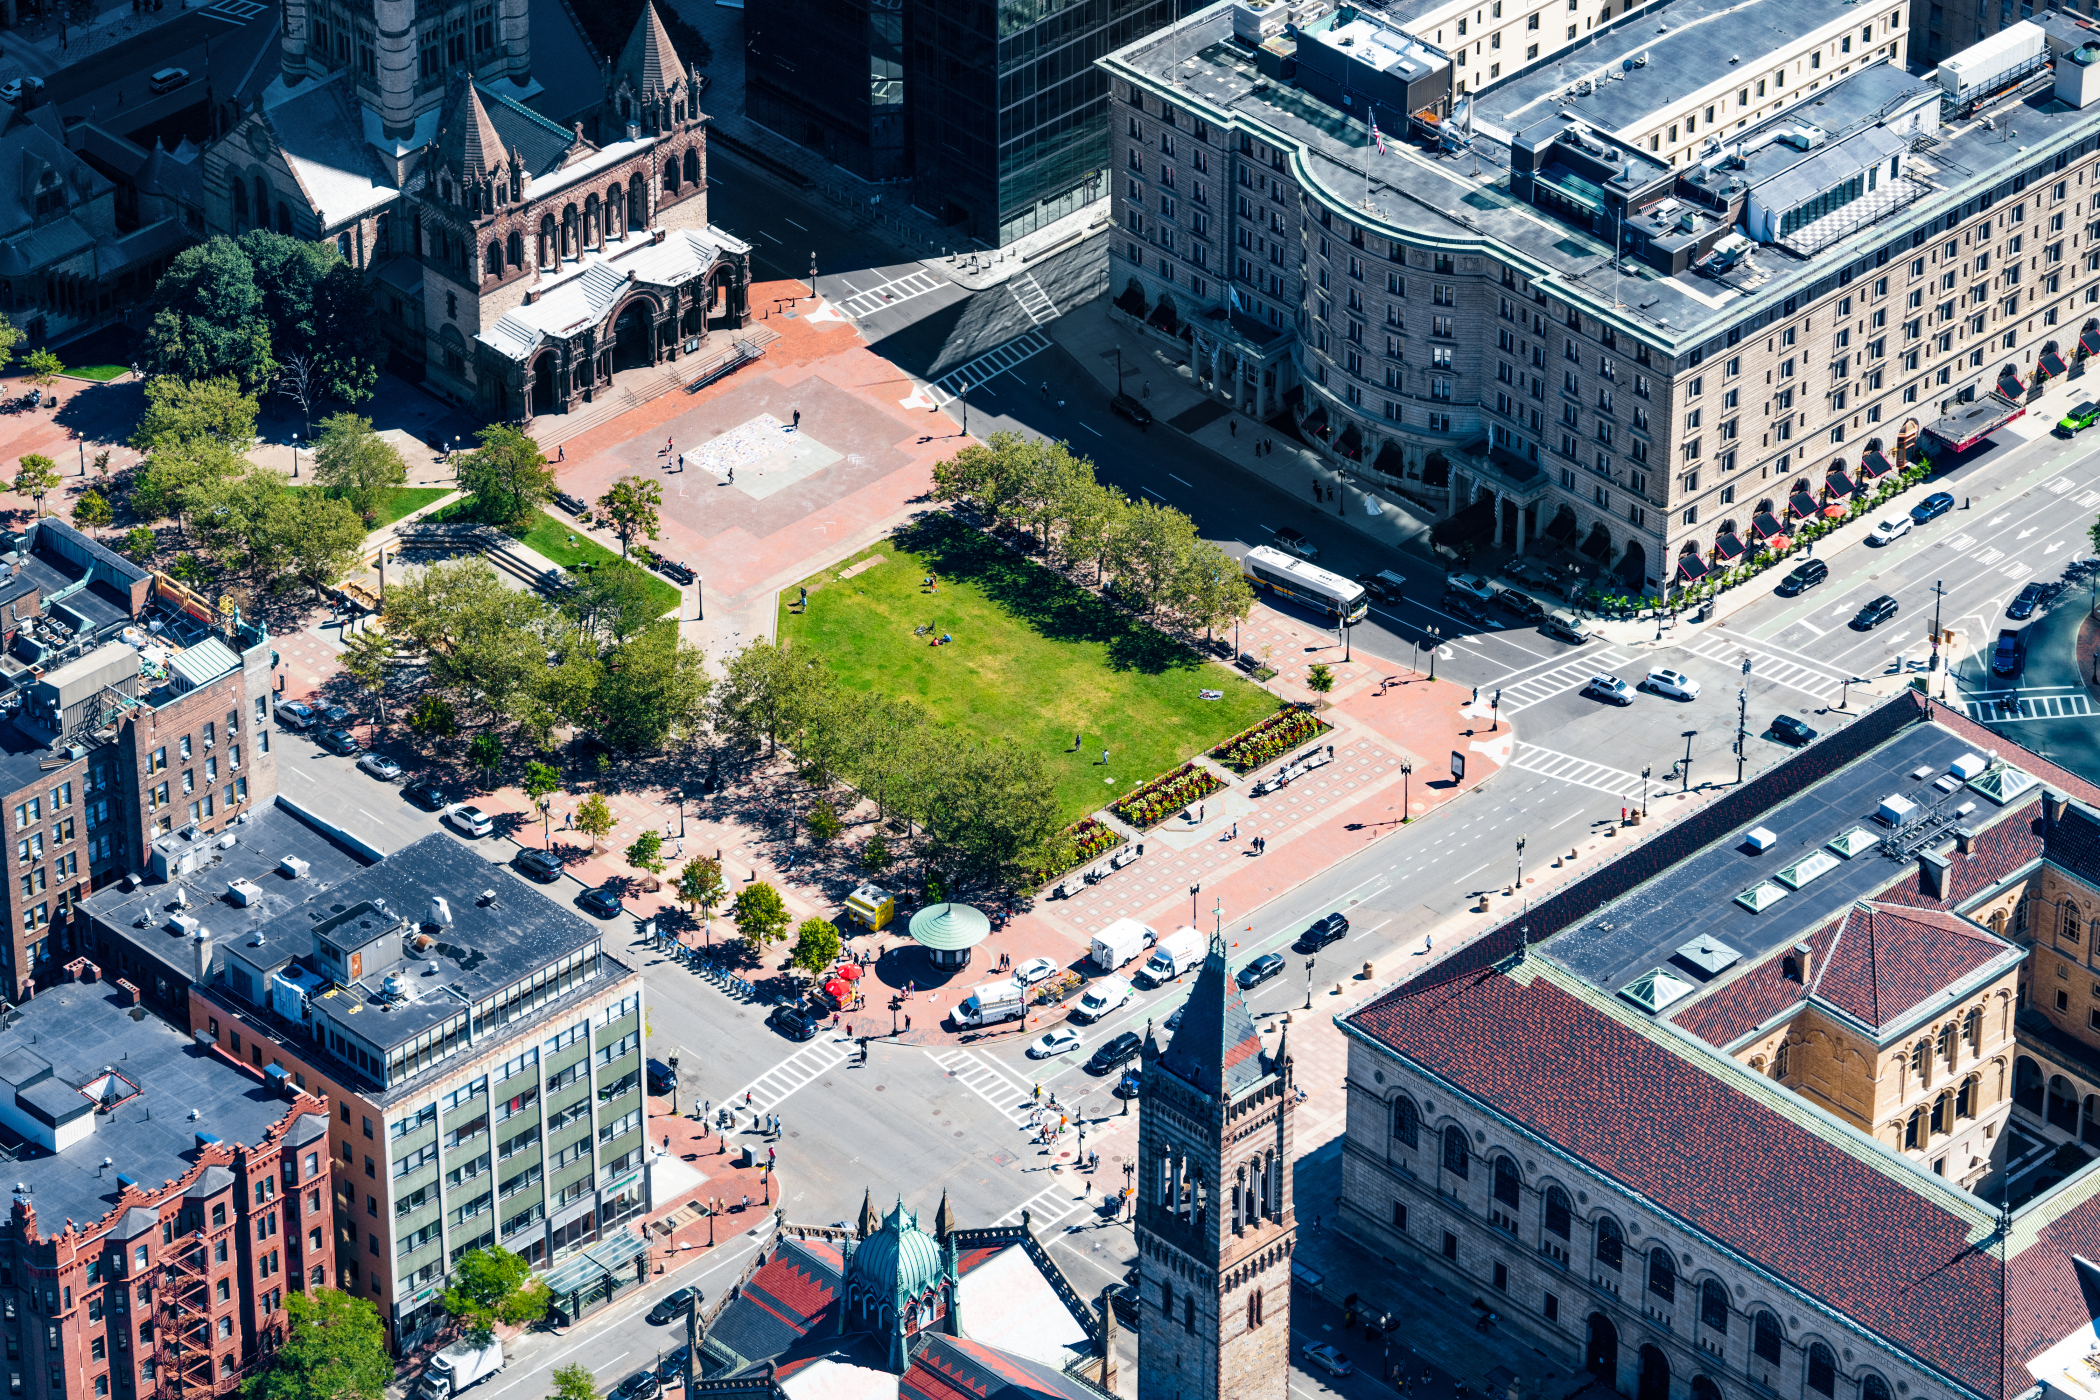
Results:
[1062, 1041]
[1472, 585]
[1328, 1357]
[471, 821]
[1889, 531]
[1103, 997]
[1675, 684]
[13, 91]
[1609, 688]
[1033, 971]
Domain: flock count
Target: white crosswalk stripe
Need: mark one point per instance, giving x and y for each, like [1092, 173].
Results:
[988, 1082]
[2089, 498]
[807, 1065]
[1045, 1207]
[237, 11]
[2060, 485]
[1579, 771]
[1769, 665]
[1035, 303]
[1522, 695]
[997, 360]
[2016, 571]
[2030, 705]
[897, 289]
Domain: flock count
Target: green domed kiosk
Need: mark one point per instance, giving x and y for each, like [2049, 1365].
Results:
[948, 932]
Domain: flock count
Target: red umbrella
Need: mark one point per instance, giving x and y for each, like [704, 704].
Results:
[835, 989]
[850, 972]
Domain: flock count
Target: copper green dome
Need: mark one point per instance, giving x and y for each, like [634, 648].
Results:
[899, 1260]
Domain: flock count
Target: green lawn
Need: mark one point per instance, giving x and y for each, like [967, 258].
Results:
[403, 500]
[1034, 660]
[99, 373]
[561, 544]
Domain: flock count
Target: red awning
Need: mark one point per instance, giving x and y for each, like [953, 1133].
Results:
[1691, 568]
[1765, 527]
[835, 989]
[1802, 504]
[1728, 547]
[1316, 421]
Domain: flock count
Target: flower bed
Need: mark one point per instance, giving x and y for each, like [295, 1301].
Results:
[1077, 844]
[1164, 796]
[1271, 739]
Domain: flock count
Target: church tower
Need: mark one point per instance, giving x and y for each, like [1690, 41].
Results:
[1215, 1226]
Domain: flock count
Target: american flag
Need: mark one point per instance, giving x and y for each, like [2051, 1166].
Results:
[1375, 134]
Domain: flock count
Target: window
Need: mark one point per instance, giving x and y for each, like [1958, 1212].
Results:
[2068, 927]
[1713, 1305]
[1457, 1156]
[1822, 1369]
[1407, 1122]
[1764, 1338]
[1557, 1212]
[1662, 1274]
[1507, 1181]
[1611, 1245]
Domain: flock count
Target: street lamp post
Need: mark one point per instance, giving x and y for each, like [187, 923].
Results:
[965, 396]
[1495, 712]
[1520, 865]
[1309, 981]
[1434, 637]
[1688, 736]
[1407, 807]
[1646, 769]
[295, 456]
[1845, 690]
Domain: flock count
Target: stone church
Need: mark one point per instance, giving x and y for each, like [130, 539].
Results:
[522, 250]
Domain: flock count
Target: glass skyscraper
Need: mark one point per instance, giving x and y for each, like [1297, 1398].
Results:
[829, 75]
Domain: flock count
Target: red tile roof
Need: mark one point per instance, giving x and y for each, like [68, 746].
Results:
[1886, 959]
[1738, 1006]
[2045, 1300]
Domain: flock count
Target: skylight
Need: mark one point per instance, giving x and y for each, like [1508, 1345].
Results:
[1807, 868]
[1857, 841]
[1761, 897]
[1655, 989]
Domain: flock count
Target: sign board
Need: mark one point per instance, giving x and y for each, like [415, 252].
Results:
[1458, 766]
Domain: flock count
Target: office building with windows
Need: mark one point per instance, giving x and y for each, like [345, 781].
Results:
[829, 75]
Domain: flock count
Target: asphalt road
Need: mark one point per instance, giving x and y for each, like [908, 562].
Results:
[217, 45]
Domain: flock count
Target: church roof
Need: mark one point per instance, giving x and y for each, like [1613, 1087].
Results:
[320, 130]
[898, 1260]
[957, 1368]
[1216, 1047]
[590, 293]
[1887, 959]
[539, 144]
[469, 142]
[649, 62]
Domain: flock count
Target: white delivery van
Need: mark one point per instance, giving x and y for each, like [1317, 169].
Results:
[1120, 942]
[459, 1366]
[1177, 953]
[991, 1003]
[1101, 998]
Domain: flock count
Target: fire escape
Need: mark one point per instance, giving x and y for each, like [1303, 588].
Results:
[182, 1340]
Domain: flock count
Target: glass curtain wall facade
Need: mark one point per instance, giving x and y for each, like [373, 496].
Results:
[829, 75]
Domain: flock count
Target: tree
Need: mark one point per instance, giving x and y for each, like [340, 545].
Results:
[492, 1285]
[1150, 549]
[875, 855]
[613, 603]
[823, 822]
[1320, 680]
[92, 511]
[816, 947]
[700, 885]
[574, 1382]
[368, 659]
[297, 381]
[43, 366]
[541, 783]
[321, 538]
[481, 641]
[11, 335]
[486, 753]
[594, 818]
[356, 465]
[205, 318]
[241, 518]
[334, 1349]
[36, 477]
[630, 507]
[986, 810]
[646, 852]
[181, 410]
[758, 691]
[652, 690]
[1211, 589]
[140, 543]
[434, 718]
[319, 311]
[761, 915]
[507, 476]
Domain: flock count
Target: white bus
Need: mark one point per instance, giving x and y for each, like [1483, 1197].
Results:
[1309, 584]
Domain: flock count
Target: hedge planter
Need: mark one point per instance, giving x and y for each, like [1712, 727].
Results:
[1077, 844]
[1270, 740]
[1164, 796]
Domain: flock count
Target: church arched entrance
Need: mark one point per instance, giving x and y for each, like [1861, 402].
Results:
[543, 395]
[1655, 1375]
[633, 347]
[1602, 1358]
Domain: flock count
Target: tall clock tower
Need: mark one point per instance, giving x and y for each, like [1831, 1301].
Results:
[1215, 1227]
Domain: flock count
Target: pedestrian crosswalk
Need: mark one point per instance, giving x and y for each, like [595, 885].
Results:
[236, 11]
[897, 289]
[1046, 1207]
[1581, 772]
[987, 1081]
[1523, 694]
[1768, 665]
[997, 360]
[2014, 706]
[1035, 303]
[807, 1065]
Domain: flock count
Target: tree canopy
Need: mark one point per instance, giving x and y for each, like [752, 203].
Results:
[491, 1285]
[355, 465]
[507, 476]
[334, 1349]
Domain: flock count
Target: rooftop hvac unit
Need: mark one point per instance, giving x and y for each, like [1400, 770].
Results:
[185, 923]
[243, 892]
[294, 868]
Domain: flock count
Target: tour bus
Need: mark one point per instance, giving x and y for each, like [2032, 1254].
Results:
[1309, 584]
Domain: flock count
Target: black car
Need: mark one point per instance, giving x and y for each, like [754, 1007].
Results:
[1323, 932]
[1932, 507]
[1384, 585]
[662, 1078]
[1123, 1298]
[1174, 1021]
[671, 1370]
[1125, 406]
[543, 866]
[1112, 1053]
[1875, 613]
[642, 1385]
[335, 717]
[1787, 729]
[1804, 576]
[600, 901]
[572, 504]
[426, 794]
[669, 1306]
[2029, 599]
[791, 1023]
[1522, 604]
[1260, 970]
[340, 741]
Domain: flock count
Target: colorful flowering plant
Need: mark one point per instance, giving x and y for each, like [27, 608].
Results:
[1164, 796]
[1077, 844]
[1271, 739]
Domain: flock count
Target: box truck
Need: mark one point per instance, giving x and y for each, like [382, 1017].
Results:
[1177, 953]
[459, 1366]
[1120, 942]
[991, 1003]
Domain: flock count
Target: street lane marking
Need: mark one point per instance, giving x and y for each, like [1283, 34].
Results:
[1046, 1207]
[1569, 675]
[1146, 489]
[1097, 433]
[793, 222]
[1566, 767]
[987, 1081]
[900, 289]
[994, 361]
[2033, 705]
[807, 1065]
[1768, 665]
[1184, 483]
[1035, 303]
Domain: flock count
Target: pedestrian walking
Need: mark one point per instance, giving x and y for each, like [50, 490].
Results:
[747, 1201]
[1046, 388]
[1147, 391]
[1077, 735]
[681, 461]
[667, 448]
[798, 419]
[1038, 1093]
[1104, 755]
[1060, 405]
[1234, 425]
[561, 452]
[907, 1023]
[1235, 831]
[732, 476]
[1428, 942]
[667, 1142]
[747, 1098]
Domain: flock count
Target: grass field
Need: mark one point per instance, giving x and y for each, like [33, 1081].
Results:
[1034, 661]
[559, 543]
[403, 500]
[101, 374]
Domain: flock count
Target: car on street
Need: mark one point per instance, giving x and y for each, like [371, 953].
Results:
[671, 1370]
[293, 715]
[662, 1078]
[1104, 996]
[379, 766]
[470, 820]
[600, 901]
[334, 717]
[642, 1385]
[1563, 626]
[169, 79]
[1033, 971]
[1890, 530]
[2078, 418]
[2028, 599]
[671, 1305]
[338, 741]
[2005, 658]
[543, 866]
[1123, 1299]
[1675, 684]
[1384, 585]
[1609, 688]
[14, 90]
[1519, 603]
[1472, 585]
[1790, 730]
[1325, 1355]
[1292, 540]
[1062, 1041]
[425, 793]
[1124, 406]
[1932, 507]
[1260, 970]
[1322, 932]
[791, 1023]
[1174, 1021]
[1113, 1053]
[1874, 614]
[1804, 576]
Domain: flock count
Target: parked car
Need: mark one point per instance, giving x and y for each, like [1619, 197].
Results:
[1174, 1020]
[425, 793]
[1788, 729]
[26, 84]
[662, 1078]
[1804, 576]
[1563, 626]
[1124, 406]
[1034, 970]
[1874, 614]
[1932, 507]
[1113, 1053]
[470, 820]
[543, 866]
[1471, 585]
[379, 766]
[293, 715]
[672, 1304]
[2076, 420]
[1260, 970]
[1609, 688]
[1675, 684]
[169, 79]
[1384, 585]
[642, 1385]
[1519, 603]
[1325, 1355]
[334, 717]
[791, 1023]
[1321, 933]
[1293, 540]
[671, 1370]
[600, 901]
[1890, 530]
[1062, 1041]
[338, 741]
[2030, 598]
[1123, 1298]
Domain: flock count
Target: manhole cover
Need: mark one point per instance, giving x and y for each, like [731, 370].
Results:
[880, 1087]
